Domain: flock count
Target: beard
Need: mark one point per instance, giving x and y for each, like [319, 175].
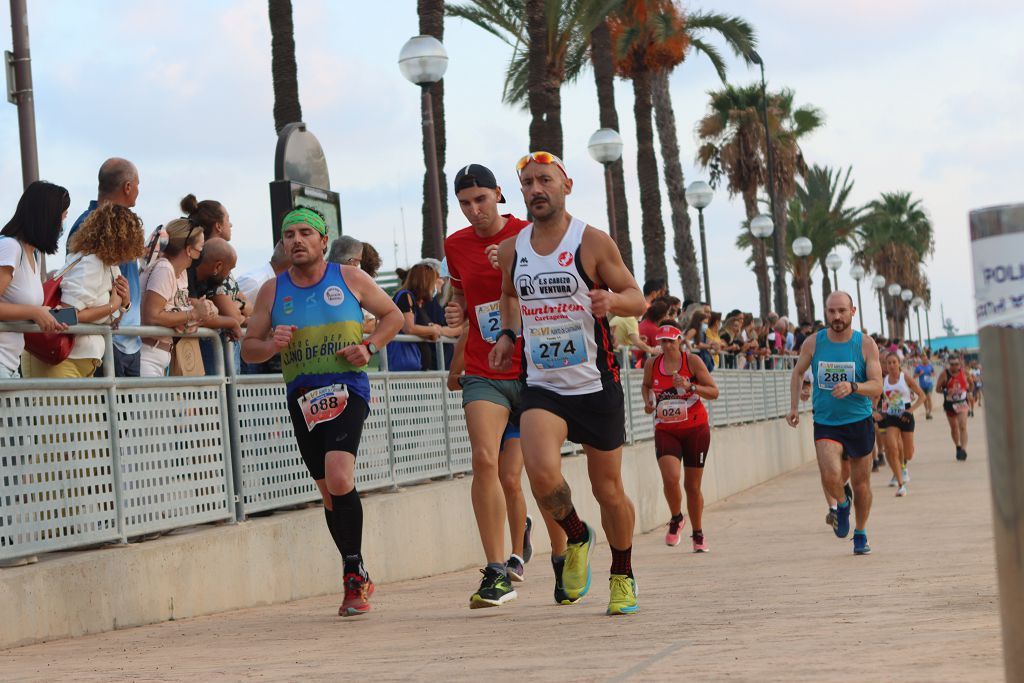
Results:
[839, 325]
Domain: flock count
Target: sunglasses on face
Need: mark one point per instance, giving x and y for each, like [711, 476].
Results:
[546, 158]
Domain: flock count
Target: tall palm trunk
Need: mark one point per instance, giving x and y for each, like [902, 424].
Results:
[764, 285]
[431, 14]
[604, 77]
[652, 228]
[826, 283]
[686, 255]
[801, 292]
[779, 237]
[544, 87]
[282, 64]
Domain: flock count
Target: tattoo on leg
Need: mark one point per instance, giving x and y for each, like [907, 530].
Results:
[558, 503]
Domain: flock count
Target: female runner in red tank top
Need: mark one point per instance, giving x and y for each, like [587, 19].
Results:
[674, 384]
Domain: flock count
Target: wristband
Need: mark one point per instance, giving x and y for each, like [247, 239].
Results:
[853, 387]
[507, 332]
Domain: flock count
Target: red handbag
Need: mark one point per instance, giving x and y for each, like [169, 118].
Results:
[52, 347]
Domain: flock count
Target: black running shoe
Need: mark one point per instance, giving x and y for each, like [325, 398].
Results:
[961, 454]
[495, 590]
[527, 544]
[561, 598]
[848, 490]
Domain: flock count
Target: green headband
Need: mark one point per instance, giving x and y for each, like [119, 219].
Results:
[307, 216]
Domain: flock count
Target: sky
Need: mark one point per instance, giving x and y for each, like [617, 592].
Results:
[918, 95]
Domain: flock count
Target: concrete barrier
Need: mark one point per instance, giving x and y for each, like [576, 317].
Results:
[418, 531]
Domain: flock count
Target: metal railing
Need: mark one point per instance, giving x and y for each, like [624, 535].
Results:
[105, 459]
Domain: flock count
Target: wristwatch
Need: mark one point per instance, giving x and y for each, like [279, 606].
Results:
[507, 332]
[371, 347]
[853, 387]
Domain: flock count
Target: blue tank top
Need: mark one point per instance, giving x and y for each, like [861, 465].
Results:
[834, 363]
[329, 318]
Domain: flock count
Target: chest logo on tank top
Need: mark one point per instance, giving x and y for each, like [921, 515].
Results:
[565, 259]
[334, 295]
[288, 305]
[547, 286]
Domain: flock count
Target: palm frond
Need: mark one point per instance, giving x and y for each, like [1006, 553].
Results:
[713, 55]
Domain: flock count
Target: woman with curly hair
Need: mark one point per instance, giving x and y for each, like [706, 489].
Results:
[93, 284]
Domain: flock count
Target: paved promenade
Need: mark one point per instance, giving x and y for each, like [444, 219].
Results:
[779, 598]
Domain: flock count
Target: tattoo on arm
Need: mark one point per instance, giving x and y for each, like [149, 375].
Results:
[558, 503]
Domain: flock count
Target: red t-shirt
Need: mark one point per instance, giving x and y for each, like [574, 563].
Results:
[474, 276]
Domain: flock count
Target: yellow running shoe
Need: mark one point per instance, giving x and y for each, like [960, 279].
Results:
[623, 598]
[576, 573]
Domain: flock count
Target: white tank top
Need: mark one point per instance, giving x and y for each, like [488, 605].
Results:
[565, 348]
[897, 395]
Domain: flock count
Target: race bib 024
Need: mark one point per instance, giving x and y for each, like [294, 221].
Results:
[559, 345]
[488, 320]
[323, 405]
[671, 411]
[831, 373]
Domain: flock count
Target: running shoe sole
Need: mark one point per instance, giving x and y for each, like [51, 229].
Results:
[476, 602]
[866, 550]
[527, 542]
[512, 576]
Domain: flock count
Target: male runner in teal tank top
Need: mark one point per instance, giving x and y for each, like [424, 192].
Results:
[848, 378]
[312, 315]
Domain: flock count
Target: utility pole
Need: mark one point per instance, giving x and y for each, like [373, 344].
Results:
[19, 91]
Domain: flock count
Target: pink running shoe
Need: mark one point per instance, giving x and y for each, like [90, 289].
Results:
[674, 531]
[699, 544]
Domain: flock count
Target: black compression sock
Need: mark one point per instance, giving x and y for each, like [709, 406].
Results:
[348, 520]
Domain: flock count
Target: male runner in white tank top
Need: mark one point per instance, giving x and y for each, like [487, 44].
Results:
[560, 280]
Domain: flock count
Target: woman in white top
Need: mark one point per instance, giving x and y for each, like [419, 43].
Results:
[93, 285]
[34, 229]
[895, 415]
[165, 300]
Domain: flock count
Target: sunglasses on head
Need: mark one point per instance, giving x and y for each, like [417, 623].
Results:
[546, 158]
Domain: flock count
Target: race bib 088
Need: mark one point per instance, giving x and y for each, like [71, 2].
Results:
[831, 373]
[559, 345]
[323, 405]
[488, 320]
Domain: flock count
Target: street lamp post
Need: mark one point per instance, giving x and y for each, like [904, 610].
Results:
[834, 262]
[928, 324]
[878, 284]
[762, 226]
[700, 194]
[917, 303]
[857, 273]
[780, 282]
[907, 296]
[894, 291]
[423, 61]
[605, 146]
[802, 247]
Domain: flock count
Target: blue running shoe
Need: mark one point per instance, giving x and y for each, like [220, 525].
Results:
[860, 544]
[842, 527]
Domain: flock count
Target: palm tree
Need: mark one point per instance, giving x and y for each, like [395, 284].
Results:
[282, 64]
[604, 75]
[739, 36]
[894, 239]
[549, 40]
[431, 16]
[733, 147]
[819, 212]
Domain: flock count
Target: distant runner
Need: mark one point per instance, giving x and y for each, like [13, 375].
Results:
[956, 387]
[896, 408]
[924, 373]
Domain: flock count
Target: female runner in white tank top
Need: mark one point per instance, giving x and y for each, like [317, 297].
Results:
[900, 397]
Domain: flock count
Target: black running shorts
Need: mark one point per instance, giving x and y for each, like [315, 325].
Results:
[597, 420]
[341, 433]
[691, 445]
[856, 438]
[904, 422]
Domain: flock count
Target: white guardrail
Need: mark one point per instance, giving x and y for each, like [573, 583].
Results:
[105, 459]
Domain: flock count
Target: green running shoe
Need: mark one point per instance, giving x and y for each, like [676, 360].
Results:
[495, 590]
[623, 598]
[576, 573]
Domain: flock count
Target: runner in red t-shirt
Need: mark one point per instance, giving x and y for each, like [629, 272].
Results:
[491, 397]
[674, 384]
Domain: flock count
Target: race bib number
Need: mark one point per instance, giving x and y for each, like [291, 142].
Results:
[561, 345]
[323, 405]
[488, 319]
[671, 411]
[831, 373]
[895, 408]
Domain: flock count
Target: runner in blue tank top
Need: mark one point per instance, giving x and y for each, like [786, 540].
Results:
[847, 378]
[312, 315]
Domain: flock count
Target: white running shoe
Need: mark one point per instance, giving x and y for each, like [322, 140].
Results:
[906, 476]
[901, 491]
[893, 482]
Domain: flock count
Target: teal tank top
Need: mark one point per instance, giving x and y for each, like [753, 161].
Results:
[834, 363]
[329, 318]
